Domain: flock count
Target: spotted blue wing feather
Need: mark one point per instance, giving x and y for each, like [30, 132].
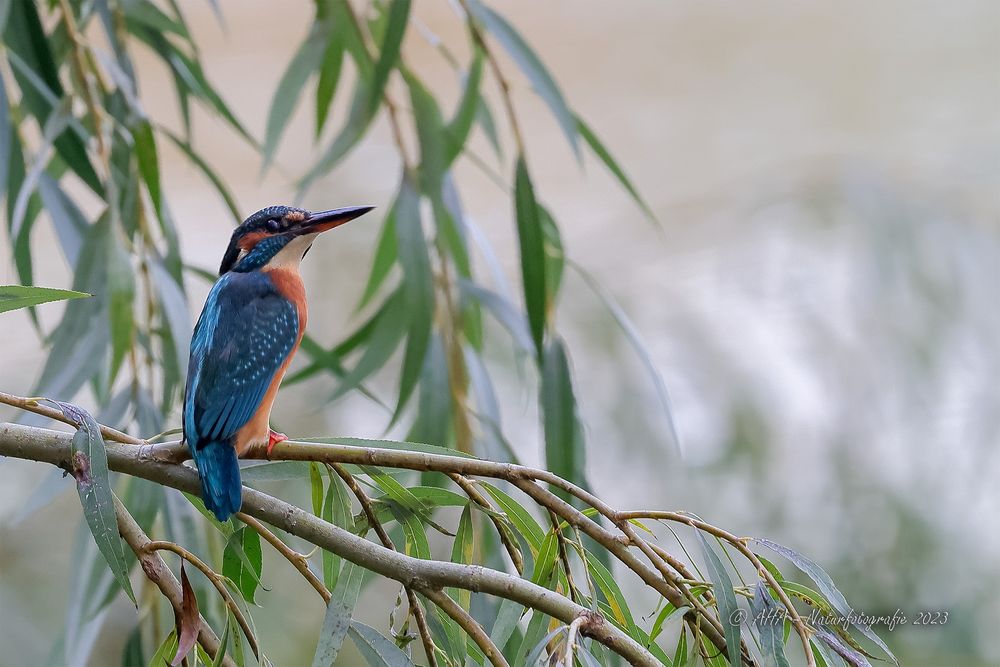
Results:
[245, 333]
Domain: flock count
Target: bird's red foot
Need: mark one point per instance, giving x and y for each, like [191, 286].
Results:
[273, 438]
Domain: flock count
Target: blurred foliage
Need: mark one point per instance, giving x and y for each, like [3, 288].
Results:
[78, 149]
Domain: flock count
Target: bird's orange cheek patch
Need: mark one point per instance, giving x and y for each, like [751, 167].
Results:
[250, 240]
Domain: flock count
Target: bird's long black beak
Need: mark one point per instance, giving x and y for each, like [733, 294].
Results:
[322, 221]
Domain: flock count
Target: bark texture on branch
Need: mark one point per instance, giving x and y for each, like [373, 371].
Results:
[54, 447]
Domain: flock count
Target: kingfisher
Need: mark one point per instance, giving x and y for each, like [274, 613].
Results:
[248, 331]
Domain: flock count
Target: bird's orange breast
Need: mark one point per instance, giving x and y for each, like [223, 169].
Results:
[289, 284]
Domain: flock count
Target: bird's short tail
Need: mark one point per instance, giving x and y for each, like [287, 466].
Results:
[221, 489]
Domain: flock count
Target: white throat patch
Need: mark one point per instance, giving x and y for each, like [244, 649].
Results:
[290, 256]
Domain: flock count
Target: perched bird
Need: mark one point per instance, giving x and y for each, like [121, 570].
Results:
[248, 331]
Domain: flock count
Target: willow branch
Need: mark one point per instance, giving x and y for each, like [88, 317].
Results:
[468, 624]
[149, 462]
[519, 475]
[411, 599]
[32, 405]
[617, 547]
[476, 496]
[160, 575]
[740, 544]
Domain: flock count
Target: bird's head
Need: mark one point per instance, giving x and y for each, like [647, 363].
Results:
[280, 235]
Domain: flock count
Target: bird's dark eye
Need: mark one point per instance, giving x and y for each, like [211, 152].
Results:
[273, 225]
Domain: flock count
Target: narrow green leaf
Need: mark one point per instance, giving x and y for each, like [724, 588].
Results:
[166, 651]
[505, 312]
[242, 561]
[433, 420]
[546, 560]
[329, 74]
[383, 340]
[398, 16]
[358, 120]
[533, 638]
[725, 598]
[378, 651]
[196, 502]
[432, 496]
[338, 615]
[316, 487]
[457, 132]
[394, 489]
[532, 66]
[635, 340]
[132, 653]
[529, 232]
[661, 618]
[455, 642]
[613, 166]
[680, 653]
[522, 521]
[606, 583]
[564, 447]
[206, 169]
[391, 444]
[90, 469]
[555, 258]
[150, 15]
[368, 91]
[306, 61]
[769, 617]
[25, 36]
[508, 617]
[541, 645]
[336, 510]
[461, 552]
[432, 137]
[149, 163]
[220, 654]
[13, 297]
[827, 588]
[68, 220]
[417, 290]
[121, 295]
[416, 544]
[386, 252]
[190, 71]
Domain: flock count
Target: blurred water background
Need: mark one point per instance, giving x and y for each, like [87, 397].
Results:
[821, 301]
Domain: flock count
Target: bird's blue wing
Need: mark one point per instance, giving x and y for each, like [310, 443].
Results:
[246, 331]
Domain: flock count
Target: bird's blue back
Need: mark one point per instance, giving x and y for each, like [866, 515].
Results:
[244, 334]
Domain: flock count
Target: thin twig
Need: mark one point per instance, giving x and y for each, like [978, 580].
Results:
[160, 575]
[298, 561]
[468, 624]
[476, 496]
[574, 627]
[32, 405]
[563, 556]
[215, 578]
[414, 604]
[801, 628]
[390, 105]
[491, 58]
[55, 447]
